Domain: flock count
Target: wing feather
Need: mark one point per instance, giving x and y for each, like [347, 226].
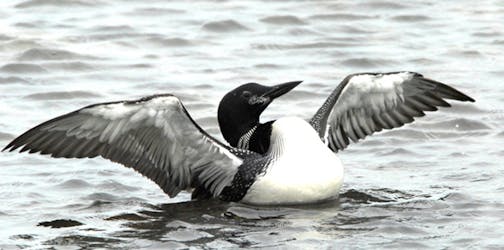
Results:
[365, 103]
[154, 135]
[355, 124]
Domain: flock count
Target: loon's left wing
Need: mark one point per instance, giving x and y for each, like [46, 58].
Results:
[154, 135]
[369, 102]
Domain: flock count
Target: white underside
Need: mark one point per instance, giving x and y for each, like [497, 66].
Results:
[305, 170]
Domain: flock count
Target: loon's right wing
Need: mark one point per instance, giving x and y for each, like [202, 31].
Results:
[154, 135]
[365, 103]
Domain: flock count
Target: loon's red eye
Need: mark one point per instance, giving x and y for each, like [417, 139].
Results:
[246, 94]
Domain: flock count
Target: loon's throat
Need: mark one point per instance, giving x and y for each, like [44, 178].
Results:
[244, 141]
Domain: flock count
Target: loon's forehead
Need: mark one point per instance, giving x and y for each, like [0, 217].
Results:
[252, 87]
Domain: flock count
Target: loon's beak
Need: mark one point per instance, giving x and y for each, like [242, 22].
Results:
[280, 89]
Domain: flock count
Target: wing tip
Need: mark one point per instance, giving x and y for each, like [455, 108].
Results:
[19, 141]
[459, 96]
[6, 148]
[449, 91]
[11, 146]
[469, 99]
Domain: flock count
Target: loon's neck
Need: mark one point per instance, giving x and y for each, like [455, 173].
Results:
[232, 129]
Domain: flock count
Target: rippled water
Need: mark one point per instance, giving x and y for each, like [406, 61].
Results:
[434, 184]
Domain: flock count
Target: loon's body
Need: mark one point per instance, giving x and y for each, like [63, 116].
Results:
[284, 161]
[302, 168]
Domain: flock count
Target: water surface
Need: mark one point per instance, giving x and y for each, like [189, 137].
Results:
[437, 183]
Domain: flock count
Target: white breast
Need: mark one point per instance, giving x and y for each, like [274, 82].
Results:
[304, 170]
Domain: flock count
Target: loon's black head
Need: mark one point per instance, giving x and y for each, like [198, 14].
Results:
[239, 110]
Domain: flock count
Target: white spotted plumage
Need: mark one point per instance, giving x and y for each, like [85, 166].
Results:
[244, 141]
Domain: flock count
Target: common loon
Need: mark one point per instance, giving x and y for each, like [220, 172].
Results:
[286, 161]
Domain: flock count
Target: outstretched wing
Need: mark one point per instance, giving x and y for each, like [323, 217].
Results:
[369, 102]
[154, 135]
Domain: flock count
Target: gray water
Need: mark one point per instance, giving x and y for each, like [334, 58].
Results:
[437, 183]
